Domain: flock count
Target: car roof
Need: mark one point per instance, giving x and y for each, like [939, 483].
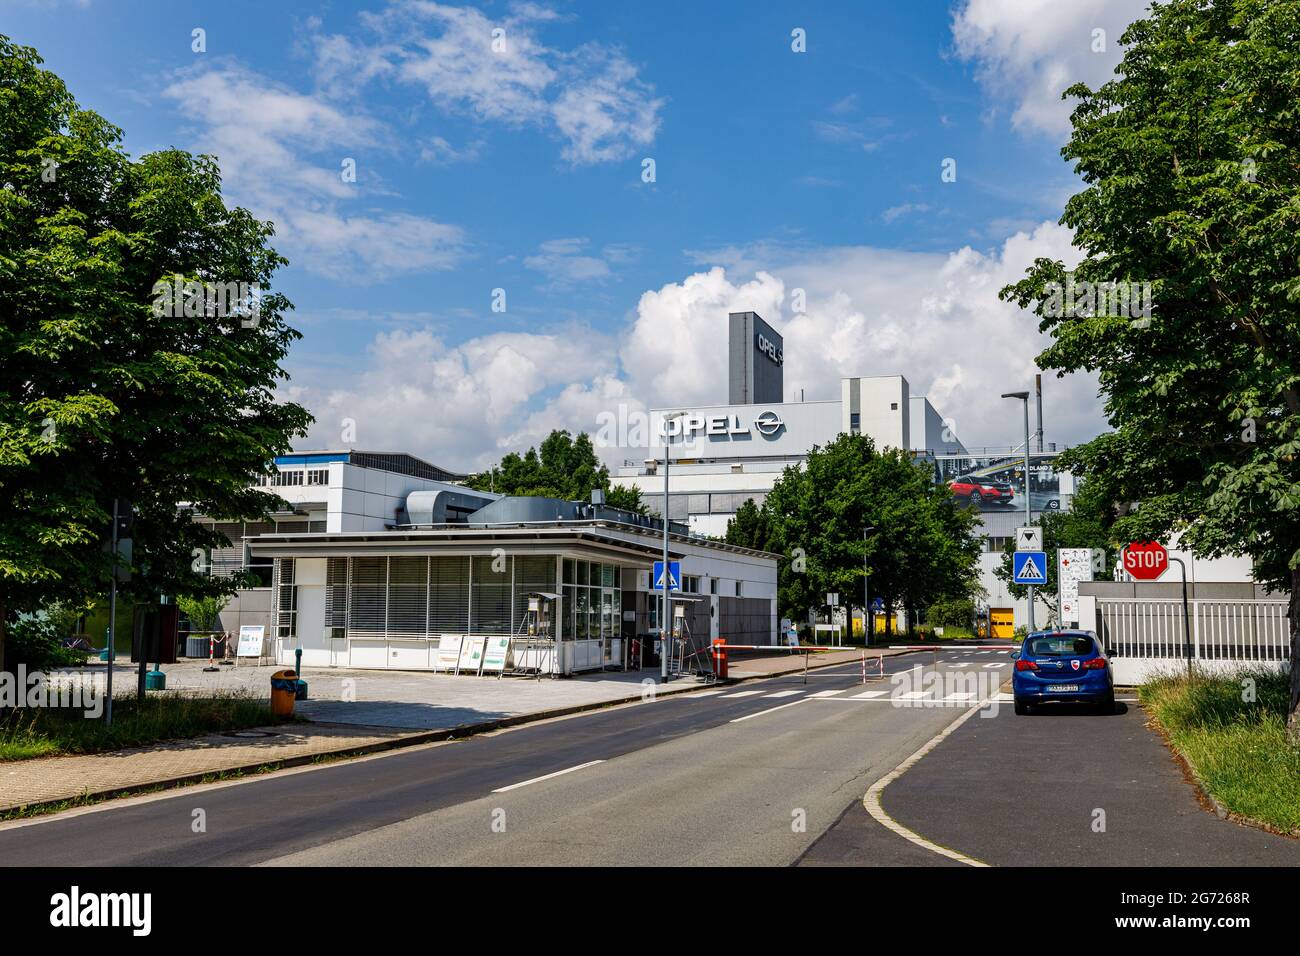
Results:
[1061, 631]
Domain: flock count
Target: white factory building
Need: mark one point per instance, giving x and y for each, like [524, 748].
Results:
[723, 455]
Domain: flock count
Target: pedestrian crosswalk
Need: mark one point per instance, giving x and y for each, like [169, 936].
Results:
[897, 696]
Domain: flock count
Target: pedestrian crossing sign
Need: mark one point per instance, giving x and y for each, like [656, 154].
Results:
[1029, 567]
[674, 576]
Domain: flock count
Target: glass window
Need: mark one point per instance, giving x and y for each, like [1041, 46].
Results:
[593, 613]
[607, 575]
[580, 613]
[582, 572]
[568, 571]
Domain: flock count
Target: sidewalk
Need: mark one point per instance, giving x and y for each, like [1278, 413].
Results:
[387, 710]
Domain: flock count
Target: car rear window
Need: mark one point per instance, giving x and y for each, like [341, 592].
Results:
[1060, 645]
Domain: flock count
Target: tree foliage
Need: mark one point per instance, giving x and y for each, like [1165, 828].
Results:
[101, 396]
[561, 467]
[1190, 158]
[923, 545]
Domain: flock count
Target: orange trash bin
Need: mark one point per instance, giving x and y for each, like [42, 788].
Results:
[284, 688]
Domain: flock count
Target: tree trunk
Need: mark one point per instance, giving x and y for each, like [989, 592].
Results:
[1293, 717]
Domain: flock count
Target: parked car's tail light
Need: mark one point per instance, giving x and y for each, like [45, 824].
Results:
[1096, 664]
[1023, 665]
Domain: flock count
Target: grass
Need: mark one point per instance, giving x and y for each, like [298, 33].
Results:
[1238, 748]
[26, 733]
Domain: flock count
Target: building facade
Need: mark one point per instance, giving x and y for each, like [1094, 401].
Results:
[368, 566]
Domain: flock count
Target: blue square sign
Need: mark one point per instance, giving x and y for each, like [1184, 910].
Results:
[1029, 567]
[674, 576]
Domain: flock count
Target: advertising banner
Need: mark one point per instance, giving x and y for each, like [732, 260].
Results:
[994, 483]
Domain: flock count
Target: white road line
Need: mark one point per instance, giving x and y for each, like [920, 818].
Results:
[742, 693]
[785, 693]
[558, 773]
[769, 710]
[870, 695]
[698, 694]
[914, 695]
[989, 667]
[827, 693]
[871, 800]
[962, 696]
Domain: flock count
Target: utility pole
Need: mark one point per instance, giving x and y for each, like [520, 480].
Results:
[1024, 397]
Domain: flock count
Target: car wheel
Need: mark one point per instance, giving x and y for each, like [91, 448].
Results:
[976, 497]
[1107, 704]
[1021, 707]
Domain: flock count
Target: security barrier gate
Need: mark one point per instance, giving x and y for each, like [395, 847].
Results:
[1146, 636]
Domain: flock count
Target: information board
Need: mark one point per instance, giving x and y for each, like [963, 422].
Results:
[448, 653]
[251, 639]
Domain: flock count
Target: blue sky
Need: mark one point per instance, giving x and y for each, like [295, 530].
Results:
[520, 168]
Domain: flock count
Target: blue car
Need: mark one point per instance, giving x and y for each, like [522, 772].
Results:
[1062, 666]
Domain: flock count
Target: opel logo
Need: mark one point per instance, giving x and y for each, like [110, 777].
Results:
[768, 423]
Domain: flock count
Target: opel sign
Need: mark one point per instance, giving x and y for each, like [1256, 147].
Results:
[768, 348]
[767, 423]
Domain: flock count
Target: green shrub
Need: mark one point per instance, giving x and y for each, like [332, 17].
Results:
[1232, 731]
[37, 643]
[951, 612]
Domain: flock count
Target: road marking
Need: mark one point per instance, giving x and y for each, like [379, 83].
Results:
[914, 695]
[870, 695]
[962, 696]
[743, 693]
[558, 773]
[768, 711]
[827, 693]
[871, 799]
[699, 694]
[785, 693]
[989, 667]
[964, 664]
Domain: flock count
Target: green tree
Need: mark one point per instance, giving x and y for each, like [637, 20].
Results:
[561, 467]
[105, 389]
[751, 527]
[1191, 160]
[922, 547]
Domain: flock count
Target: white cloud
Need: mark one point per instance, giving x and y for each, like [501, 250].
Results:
[903, 209]
[267, 136]
[932, 317]
[1030, 51]
[497, 69]
[565, 262]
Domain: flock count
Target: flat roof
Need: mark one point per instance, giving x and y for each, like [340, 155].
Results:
[636, 539]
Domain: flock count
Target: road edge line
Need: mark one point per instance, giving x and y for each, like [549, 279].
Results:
[871, 799]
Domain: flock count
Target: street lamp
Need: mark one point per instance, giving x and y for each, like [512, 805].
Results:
[866, 589]
[667, 579]
[1024, 398]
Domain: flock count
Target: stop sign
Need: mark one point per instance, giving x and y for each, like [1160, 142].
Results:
[1146, 560]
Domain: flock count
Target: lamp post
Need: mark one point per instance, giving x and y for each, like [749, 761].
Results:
[1024, 398]
[667, 578]
[866, 588]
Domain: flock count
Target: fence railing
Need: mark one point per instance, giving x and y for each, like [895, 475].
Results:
[1146, 634]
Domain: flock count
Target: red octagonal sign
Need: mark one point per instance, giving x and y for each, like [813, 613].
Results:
[1146, 560]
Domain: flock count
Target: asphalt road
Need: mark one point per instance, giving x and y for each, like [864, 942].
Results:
[679, 780]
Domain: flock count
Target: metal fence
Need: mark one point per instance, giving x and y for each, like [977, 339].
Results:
[1147, 635]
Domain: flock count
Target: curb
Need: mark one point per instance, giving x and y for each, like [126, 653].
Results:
[415, 738]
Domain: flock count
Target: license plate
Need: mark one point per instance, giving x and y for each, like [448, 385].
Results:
[1061, 688]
